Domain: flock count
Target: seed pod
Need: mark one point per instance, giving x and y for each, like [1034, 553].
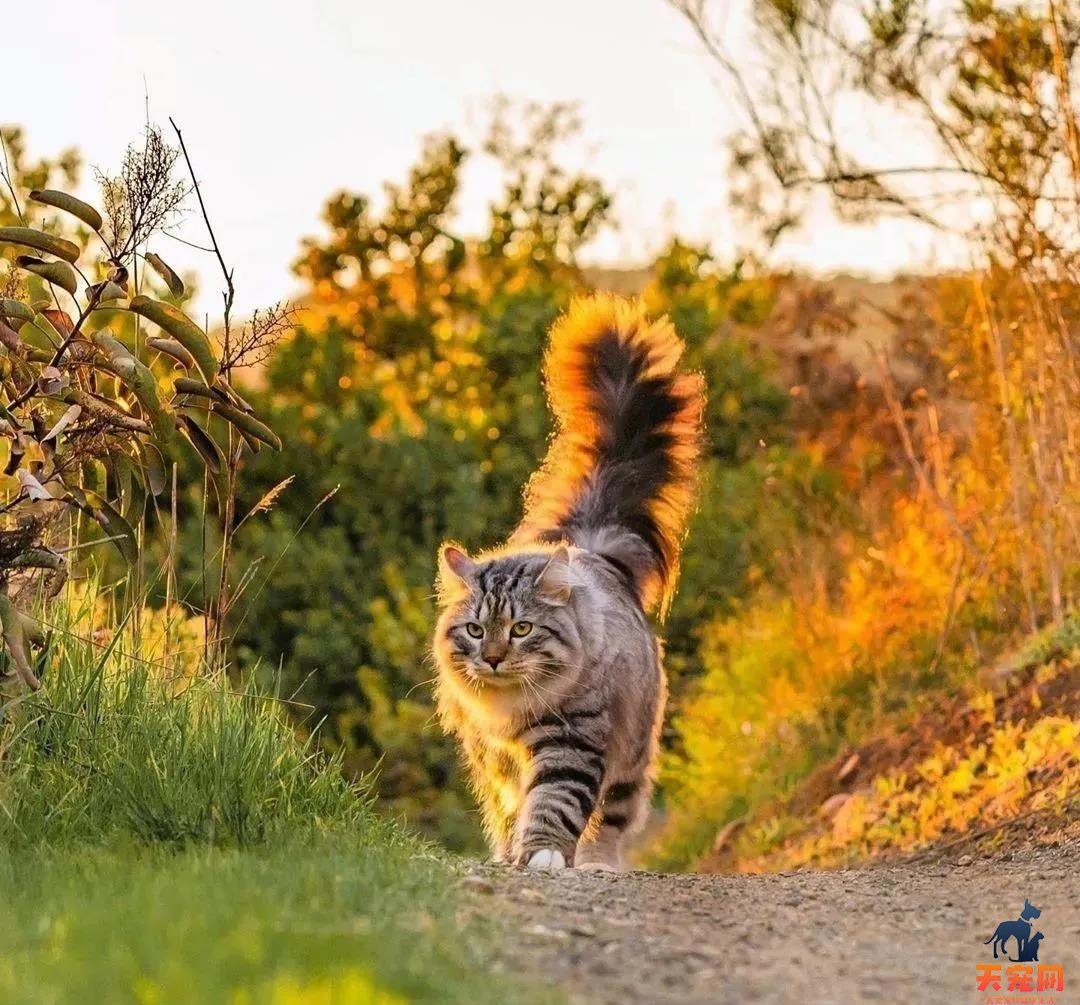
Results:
[114, 525]
[40, 241]
[113, 348]
[185, 385]
[154, 466]
[69, 204]
[248, 424]
[172, 348]
[177, 324]
[53, 272]
[201, 441]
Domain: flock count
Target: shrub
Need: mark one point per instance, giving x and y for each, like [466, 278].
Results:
[92, 417]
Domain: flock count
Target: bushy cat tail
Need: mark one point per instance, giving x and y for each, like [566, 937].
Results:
[620, 475]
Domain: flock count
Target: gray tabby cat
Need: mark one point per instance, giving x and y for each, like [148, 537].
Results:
[549, 673]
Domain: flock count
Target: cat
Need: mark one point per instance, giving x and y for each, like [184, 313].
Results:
[1029, 953]
[549, 673]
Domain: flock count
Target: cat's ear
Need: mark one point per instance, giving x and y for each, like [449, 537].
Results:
[457, 572]
[556, 580]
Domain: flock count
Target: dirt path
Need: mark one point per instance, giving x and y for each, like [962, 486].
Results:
[890, 934]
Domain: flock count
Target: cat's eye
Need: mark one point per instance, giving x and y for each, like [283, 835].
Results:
[475, 630]
[519, 629]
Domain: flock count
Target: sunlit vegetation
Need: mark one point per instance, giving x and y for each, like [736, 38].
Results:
[151, 794]
[149, 801]
[969, 767]
[958, 465]
[890, 497]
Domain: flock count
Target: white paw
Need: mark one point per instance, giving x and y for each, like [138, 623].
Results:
[546, 858]
[598, 867]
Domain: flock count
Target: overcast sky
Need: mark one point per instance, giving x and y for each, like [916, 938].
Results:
[283, 103]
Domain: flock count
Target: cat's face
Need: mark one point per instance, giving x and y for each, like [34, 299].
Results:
[507, 621]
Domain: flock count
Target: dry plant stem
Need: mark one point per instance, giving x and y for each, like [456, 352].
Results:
[207, 613]
[1068, 392]
[281, 555]
[955, 601]
[1049, 492]
[896, 412]
[1016, 474]
[221, 602]
[1050, 420]
[230, 290]
[174, 530]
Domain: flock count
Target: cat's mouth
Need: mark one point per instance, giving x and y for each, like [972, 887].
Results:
[493, 678]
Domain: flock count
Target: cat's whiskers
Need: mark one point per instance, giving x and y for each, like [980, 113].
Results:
[423, 683]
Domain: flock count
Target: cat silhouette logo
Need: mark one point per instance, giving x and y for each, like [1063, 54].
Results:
[1025, 938]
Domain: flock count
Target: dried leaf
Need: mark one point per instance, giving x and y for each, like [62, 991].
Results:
[35, 491]
[9, 337]
[63, 422]
[106, 292]
[52, 381]
[172, 280]
[61, 321]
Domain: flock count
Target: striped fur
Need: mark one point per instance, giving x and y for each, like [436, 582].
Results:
[549, 672]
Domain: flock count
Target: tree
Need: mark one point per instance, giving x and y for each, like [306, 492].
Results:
[982, 94]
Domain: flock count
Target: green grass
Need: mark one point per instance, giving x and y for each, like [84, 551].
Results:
[349, 912]
[166, 839]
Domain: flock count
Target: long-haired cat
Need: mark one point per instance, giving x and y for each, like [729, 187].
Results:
[549, 672]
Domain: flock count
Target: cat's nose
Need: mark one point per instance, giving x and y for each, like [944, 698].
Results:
[493, 662]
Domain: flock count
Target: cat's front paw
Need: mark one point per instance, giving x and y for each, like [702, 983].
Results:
[546, 858]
